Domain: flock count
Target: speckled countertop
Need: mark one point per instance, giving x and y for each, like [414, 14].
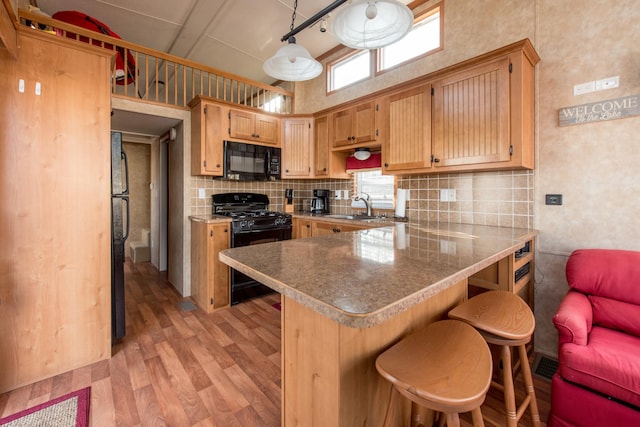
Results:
[362, 278]
[210, 218]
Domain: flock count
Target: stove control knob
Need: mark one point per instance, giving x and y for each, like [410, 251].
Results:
[243, 224]
[278, 221]
[250, 223]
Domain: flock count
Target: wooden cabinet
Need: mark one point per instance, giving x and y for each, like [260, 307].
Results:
[207, 127]
[297, 148]
[254, 127]
[55, 257]
[321, 164]
[355, 125]
[471, 116]
[483, 113]
[513, 273]
[209, 276]
[8, 36]
[407, 146]
[301, 228]
[325, 228]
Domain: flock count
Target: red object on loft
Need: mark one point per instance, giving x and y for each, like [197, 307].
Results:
[85, 21]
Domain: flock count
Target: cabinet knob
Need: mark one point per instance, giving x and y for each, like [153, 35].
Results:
[336, 230]
[218, 165]
[226, 230]
[308, 225]
[324, 169]
[386, 165]
[436, 160]
[286, 170]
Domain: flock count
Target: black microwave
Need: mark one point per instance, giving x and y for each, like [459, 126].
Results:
[251, 162]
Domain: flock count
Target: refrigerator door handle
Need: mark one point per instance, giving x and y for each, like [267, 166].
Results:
[126, 175]
[125, 199]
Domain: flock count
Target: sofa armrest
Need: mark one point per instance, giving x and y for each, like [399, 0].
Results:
[574, 319]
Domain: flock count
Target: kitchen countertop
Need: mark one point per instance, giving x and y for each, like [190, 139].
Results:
[360, 279]
[210, 219]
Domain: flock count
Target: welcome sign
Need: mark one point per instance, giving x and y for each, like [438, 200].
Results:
[610, 109]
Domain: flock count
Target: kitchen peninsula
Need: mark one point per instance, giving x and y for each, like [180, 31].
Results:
[349, 296]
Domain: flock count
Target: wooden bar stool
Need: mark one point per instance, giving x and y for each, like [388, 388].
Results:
[444, 367]
[505, 320]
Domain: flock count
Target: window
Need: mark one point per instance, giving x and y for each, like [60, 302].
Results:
[348, 70]
[423, 38]
[273, 106]
[380, 189]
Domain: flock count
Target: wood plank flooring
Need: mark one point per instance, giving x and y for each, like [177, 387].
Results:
[187, 368]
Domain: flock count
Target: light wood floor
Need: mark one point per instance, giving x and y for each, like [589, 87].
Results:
[186, 368]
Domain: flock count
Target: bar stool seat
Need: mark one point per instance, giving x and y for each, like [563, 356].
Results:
[444, 367]
[505, 320]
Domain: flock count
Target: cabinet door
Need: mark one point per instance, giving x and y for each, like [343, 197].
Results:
[266, 129]
[342, 127]
[408, 142]
[219, 235]
[321, 146]
[301, 228]
[471, 116]
[296, 150]
[213, 145]
[323, 228]
[364, 123]
[242, 124]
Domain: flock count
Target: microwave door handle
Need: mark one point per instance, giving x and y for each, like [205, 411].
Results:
[267, 166]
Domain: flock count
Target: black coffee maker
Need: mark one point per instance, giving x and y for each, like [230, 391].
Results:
[320, 202]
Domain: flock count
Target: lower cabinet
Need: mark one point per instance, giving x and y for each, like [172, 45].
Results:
[209, 276]
[303, 227]
[513, 273]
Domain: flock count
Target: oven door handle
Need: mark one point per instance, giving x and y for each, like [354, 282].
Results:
[261, 230]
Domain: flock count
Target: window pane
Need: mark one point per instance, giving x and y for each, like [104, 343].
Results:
[379, 188]
[424, 36]
[350, 70]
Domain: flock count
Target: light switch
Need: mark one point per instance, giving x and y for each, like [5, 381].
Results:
[38, 88]
[201, 193]
[345, 194]
[21, 86]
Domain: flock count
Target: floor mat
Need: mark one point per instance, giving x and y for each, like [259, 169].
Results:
[186, 305]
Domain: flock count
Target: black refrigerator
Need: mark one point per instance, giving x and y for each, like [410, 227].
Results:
[119, 232]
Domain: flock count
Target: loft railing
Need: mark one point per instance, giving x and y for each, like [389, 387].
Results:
[145, 74]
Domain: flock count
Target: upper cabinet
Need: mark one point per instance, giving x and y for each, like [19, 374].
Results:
[321, 164]
[471, 116]
[297, 147]
[407, 145]
[8, 35]
[254, 127]
[207, 126]
[355, 125]
[480, 116]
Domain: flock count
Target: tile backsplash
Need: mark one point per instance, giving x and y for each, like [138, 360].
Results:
[504, 198]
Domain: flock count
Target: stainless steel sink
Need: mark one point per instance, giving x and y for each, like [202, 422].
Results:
[355, 217]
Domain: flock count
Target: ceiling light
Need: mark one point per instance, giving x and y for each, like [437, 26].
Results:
[362, 153]
[292, 62]
[369, 24]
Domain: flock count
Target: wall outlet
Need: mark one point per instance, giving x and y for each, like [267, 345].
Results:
[608, 83]
[337, 194]
[345, 194]
[583, 88]
[447, 194]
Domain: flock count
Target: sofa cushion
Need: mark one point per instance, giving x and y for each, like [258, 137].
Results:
[609, 364]
[616, 314]
[607, 273]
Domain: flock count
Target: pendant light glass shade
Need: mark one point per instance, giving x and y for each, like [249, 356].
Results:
[292, 63]
[371, 24]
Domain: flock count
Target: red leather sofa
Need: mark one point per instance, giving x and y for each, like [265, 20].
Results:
[598, 378]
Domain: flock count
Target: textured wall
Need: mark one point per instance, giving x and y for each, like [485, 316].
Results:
[139, 156]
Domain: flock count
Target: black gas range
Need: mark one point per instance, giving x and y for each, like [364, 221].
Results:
[252, 223]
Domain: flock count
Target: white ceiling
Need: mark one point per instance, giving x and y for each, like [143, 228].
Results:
[236, 36]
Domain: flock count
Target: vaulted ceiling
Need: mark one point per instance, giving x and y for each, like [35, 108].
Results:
[236, 36]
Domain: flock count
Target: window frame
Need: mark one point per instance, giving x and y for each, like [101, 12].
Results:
[422, 16]
[355, 191]
[342, 59]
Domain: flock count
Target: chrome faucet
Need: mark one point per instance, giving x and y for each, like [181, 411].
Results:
[367, 202]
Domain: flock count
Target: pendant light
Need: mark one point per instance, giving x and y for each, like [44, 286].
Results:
[292, 62]
[371, 24]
